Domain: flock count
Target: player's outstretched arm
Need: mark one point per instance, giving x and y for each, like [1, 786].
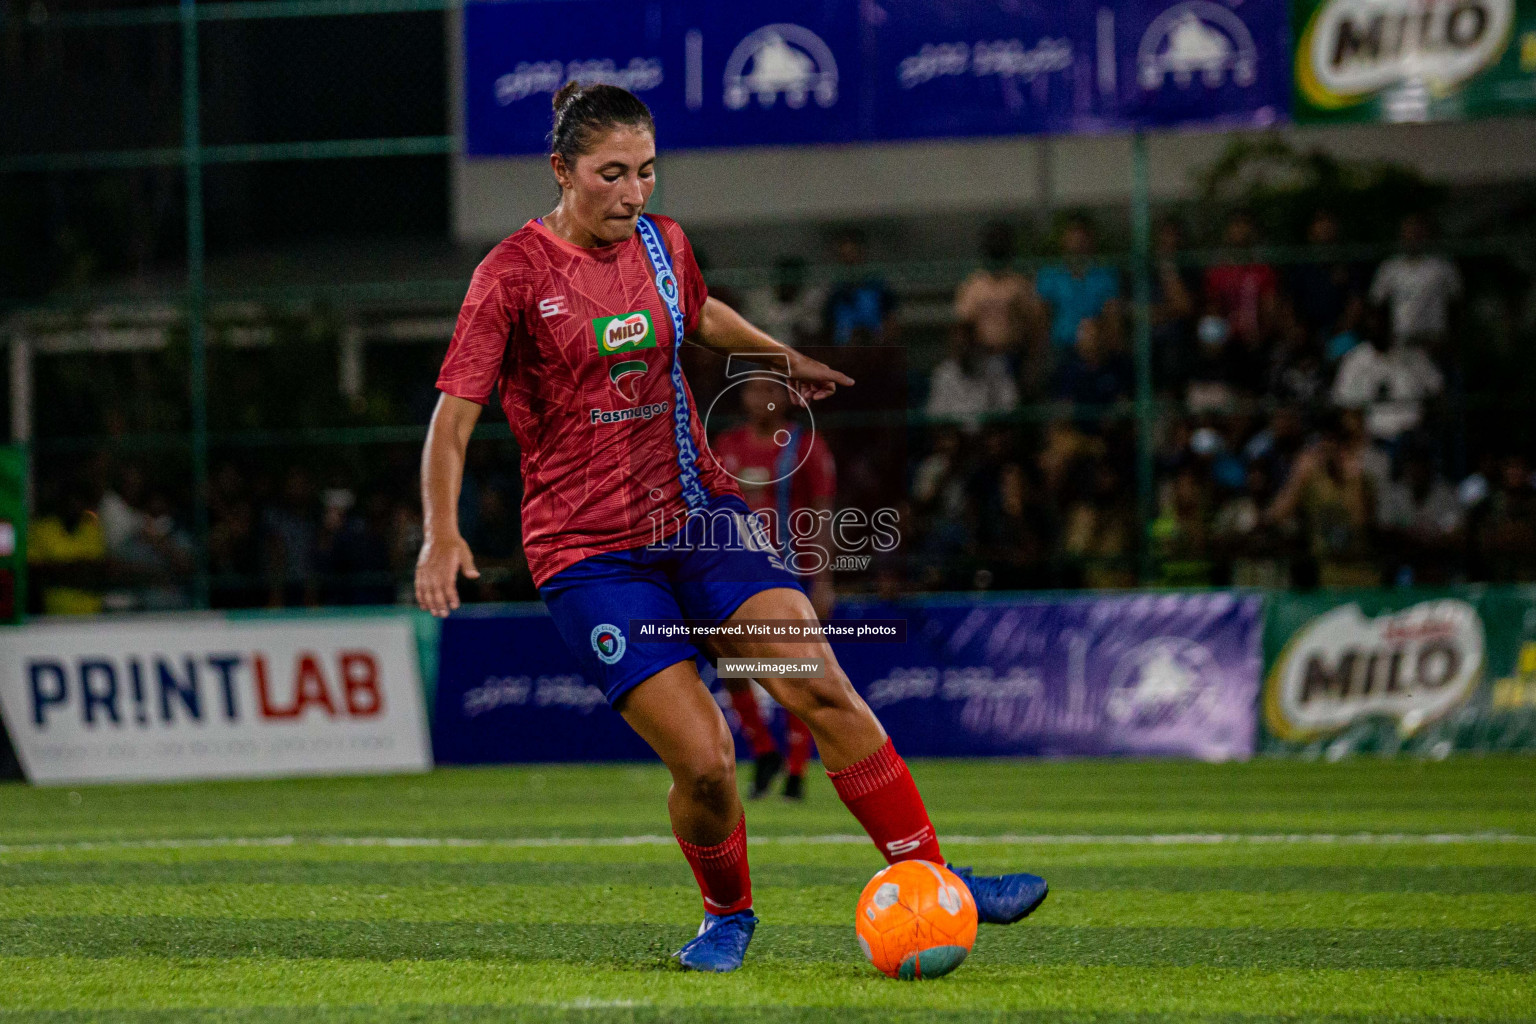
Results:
[443, 552]
[723, 329]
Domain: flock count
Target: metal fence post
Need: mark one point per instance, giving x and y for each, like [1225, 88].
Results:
[1141, 297]
[197, 340]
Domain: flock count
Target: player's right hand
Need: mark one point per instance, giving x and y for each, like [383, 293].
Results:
[813, 378]
[437, 571]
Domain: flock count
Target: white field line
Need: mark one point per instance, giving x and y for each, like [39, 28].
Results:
[1049, 839]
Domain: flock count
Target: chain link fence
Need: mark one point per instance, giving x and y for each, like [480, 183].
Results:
[228, 282]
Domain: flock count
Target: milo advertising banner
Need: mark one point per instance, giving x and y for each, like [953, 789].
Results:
[1401, 671]
[1413, 60]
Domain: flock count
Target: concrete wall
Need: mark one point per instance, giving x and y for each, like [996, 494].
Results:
[720, 188]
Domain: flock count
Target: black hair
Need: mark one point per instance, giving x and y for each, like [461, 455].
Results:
[997, 240]
[1078, 219]
[582, 112]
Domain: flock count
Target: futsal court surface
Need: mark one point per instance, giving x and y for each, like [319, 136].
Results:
[1369, 889]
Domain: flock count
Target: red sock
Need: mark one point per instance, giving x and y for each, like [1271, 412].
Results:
[799, 745]
[881, 794]
[721, 871]
[753, 729]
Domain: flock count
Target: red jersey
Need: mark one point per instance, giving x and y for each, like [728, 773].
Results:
[1240, 291]
[782, 478]
[580, 346]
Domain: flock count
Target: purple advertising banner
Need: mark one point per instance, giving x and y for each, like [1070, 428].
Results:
[1154, 674]
[1005, 67]
[796, 72]
[1157, 675]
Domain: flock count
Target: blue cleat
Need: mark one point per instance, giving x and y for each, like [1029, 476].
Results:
[1004, 899]
[721, 943]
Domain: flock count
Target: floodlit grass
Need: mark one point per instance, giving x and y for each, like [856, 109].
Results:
[1367, 890]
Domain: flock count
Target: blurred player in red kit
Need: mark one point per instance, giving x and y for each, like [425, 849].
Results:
[782, 467]
[574, 323]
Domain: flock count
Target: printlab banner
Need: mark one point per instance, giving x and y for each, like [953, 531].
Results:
[1414, 60]
[1401, 671]
[202, 698]
[1155, 675]
[800, 71]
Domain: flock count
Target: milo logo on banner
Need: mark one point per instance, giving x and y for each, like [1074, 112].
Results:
[626, 332]
[1413, 666]
[1350, 51]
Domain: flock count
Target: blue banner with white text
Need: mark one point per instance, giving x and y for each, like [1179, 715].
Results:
[1161, 675]
[789, 72]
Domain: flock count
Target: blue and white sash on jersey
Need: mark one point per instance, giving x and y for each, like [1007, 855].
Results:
[694, 493]
[784, 466]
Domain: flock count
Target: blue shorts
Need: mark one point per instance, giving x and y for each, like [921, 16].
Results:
[695, 574]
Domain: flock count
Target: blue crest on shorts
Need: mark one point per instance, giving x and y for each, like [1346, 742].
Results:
[608, 642]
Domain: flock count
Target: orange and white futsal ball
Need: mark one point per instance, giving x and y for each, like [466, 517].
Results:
[916, 919]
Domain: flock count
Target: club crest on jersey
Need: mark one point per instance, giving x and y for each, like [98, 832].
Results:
[667, 285]
[626, 377]
[608, 642]
[626, 332]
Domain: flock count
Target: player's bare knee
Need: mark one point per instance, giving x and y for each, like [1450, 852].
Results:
[710, 781]
[811, 698]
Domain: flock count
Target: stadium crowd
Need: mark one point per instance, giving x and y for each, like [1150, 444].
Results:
[1309, 424]
[1310, 430]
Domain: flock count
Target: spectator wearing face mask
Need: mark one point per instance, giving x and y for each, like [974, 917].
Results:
[1242, 291]
[1222, 369]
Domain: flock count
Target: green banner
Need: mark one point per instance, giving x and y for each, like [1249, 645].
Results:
[13, 532]
[1413, 60]
[1411, 671]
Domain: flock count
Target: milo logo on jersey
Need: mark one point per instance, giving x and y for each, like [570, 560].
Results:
[627, 332]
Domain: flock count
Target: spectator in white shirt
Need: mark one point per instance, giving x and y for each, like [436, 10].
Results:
[1418, 289]
[970, 384]
[1389, 384]
[789, 309]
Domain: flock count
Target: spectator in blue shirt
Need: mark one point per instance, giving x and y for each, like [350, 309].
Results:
[1076, 289]
[860, 308]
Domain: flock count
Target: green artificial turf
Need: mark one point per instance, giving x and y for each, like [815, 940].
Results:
[1269, 891]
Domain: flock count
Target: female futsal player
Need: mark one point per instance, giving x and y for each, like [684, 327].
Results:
[576, 321]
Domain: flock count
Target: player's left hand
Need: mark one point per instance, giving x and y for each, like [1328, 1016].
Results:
[814, 379]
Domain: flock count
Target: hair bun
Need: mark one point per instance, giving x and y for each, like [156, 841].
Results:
[566, 92]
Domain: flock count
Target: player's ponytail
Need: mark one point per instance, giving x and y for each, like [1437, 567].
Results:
[583, 112]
